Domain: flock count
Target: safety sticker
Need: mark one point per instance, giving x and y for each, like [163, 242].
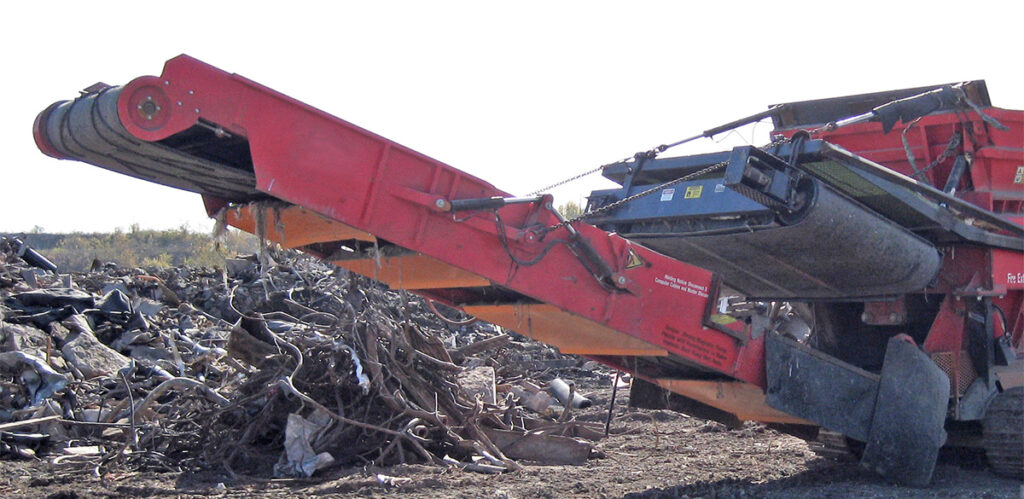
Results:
[634, 260]
[696, 347]
[1019, 177]
[683, 285]
[693, 192]
[667, 194]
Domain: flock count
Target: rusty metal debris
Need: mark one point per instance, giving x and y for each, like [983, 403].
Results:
[277, 366]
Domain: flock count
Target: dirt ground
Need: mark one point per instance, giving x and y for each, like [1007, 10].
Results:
[649, 454]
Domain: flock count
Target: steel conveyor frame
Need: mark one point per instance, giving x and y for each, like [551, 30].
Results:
[337, 189]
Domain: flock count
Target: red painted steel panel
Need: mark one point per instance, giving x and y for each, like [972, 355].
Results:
[998, 154]
[947, 332]
[1008, 269]
[314, 160]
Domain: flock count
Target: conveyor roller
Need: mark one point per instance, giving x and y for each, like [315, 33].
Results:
[89, 129]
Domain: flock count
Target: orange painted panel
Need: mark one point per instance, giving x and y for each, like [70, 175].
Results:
[293, 226]
[572, 334]
[744, 400]
[413, 271]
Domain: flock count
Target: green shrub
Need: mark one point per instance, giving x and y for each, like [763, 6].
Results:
[142, 247]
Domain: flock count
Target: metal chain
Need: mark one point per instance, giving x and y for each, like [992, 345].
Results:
[649, 154]
[634, 197]
[571, 179]
[984, 117]
[919, 173]
[655, 151]
[659, 187]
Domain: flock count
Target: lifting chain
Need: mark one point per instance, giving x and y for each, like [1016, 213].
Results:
[660, 187]
[634, 197]
[951, 147]
[651, 154]
[919, 173]
[572, 179]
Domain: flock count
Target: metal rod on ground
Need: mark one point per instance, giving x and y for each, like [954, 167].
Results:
[611, 405]
[133, 436]
[569, 404]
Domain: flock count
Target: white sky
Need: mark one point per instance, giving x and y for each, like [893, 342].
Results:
[521, 94]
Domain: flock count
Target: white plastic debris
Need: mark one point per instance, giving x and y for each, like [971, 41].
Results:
[299, 458]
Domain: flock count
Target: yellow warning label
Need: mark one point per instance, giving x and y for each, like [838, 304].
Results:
[1019, 177]
[722, 320]
[693, 192]
[634, 260]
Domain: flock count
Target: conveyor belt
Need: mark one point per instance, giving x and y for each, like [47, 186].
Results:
[837, 250]
[88, 129]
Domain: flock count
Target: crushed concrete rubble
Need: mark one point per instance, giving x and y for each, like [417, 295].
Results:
[277, 366]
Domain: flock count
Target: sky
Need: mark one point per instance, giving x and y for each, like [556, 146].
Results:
[521, 94]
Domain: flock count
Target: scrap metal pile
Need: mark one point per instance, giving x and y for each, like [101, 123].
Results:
[278, 365]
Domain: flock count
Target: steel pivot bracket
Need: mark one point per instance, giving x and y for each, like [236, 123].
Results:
[769, 180]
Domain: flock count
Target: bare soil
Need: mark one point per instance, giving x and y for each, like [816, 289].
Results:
[649, 454]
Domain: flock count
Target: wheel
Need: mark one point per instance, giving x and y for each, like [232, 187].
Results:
[1003, 433]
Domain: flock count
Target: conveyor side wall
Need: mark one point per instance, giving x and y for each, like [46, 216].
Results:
[308, 158]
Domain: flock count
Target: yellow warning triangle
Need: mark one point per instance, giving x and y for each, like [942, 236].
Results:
[634, 260]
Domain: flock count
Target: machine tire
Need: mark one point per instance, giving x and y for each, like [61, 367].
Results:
[1003, 433]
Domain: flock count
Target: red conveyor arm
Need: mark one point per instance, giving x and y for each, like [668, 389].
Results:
[325, 165]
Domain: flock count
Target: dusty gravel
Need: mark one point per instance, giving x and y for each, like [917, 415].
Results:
[650, 454]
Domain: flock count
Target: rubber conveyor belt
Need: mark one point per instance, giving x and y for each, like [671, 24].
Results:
[88, 129]
[837, 249]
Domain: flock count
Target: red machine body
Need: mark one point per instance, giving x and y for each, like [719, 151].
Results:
[994, 182]
[271, 165]
[338, 172]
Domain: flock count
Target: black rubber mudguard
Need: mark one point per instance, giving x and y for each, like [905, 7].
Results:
[817, 387]
[907, 428]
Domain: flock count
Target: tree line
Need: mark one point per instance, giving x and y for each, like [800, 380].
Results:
[138, 247]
